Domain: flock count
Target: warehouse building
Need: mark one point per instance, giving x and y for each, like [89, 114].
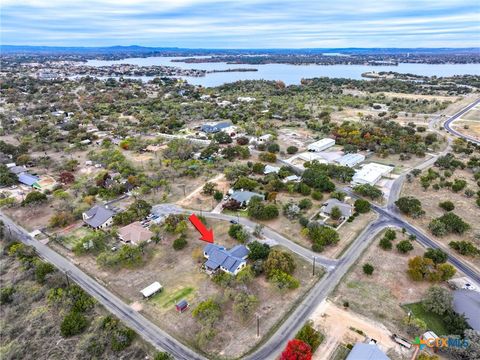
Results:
[371, 173]
[350, 160]
[321, 145]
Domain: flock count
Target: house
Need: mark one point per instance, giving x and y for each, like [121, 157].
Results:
[98, 217]
[182, 305]
[321, 145]
[151, 289]
[292, 178]
[271, 169]
[468, 302]
[134, 233]
[350, 160]
[261, 139]
[244, 197]
[345, 209]
[214, 128]
[14, 169]
[362, 351]
[28, 179]
[371, 173]
[229, 261]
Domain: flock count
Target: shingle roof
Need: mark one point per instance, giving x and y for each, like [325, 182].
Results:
[210, 128]
[363, 351]
[244, 196]
[345, 209]
[97, 216]
[228, 259]
[135, 233]
[17, 169]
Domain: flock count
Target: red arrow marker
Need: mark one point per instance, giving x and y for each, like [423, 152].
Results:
[207, 235]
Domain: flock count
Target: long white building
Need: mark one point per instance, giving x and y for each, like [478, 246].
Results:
[321, 145]
[350, 160]
[371, 173]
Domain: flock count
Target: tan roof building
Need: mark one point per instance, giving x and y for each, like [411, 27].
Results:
[134, 233]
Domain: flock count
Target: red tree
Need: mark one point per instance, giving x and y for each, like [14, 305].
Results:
[66, 177]
[296, 350]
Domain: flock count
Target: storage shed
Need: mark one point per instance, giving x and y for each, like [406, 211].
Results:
[151, 289]
[182, 305]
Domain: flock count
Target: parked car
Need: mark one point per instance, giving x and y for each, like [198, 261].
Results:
[233, 222]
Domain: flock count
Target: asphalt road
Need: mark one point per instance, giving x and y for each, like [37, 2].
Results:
[115, 305]
[448, 123]
[273, 345]
[329, 264]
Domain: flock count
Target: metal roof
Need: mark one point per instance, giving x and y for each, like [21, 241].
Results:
[363, 351]
[227, 259]
[27, 179]
[97, 216]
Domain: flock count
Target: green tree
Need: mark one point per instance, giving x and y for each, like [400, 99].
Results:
[163, 356]
[447, 205]
[437, 255]
[368, 269]
[180, 243]
[410, 206]
[73, 323]
[336, 213]
[34, 198]
[362, 206]
[258, 251]
[404, 246]
[282, 280]
[322, 236]
[309, 335]
[369, 191]
[244, 305]
[292, 149]
[438, 300]
[279, 260]
[42, 269]
[385, 244]
[207, 312]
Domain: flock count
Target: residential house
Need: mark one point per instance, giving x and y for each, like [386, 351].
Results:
[271, 169]
[134, 233]
[244, 196]
[98, 217]
[363, 351]
[214, 128]
[345, 209]
[292, 178]
[28, 179]
[230, 261]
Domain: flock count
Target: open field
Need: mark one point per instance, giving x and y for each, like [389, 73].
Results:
[389, 285]
[464, 207]
[468, 127]
[342, 326]
[420, 96]
[181, 276]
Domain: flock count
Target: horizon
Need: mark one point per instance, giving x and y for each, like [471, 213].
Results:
[252, 24]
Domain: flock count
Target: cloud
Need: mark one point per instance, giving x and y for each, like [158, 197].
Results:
[247, 23]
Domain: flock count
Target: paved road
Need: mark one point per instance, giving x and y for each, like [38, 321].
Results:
[149, 331]
[448, 123]
[329, 264]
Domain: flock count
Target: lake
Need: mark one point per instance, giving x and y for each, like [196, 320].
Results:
[290, 74]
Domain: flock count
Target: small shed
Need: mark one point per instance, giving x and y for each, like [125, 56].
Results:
[151, 289]
[182, 305]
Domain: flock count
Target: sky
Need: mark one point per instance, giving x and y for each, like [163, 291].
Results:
[242, 23]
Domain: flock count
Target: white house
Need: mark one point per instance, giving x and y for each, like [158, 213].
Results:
[271, 169]
[371, 173]
[321, 145]
[350, 160]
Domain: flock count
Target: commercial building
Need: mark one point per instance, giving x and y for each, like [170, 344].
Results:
[371, 173]
[350, 160]
[321, 145]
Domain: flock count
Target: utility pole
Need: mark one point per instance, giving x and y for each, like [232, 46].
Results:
[66, 276]
[313, 268]
[258, 326]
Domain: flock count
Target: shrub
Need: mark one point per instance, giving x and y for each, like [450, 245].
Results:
[282, 280]
[279, 260]
[163, 356]
[309, 335]
[404, 246]
[437, 255]
[390, 234]
[73, 323]
[317, 195]
[465, 248]
[305, 204]
[362, 206]
[385, 244]
[180, 243]
[368, 269]
[410, 206]
[447, 205]
[6, 294]
[258, 251]
[292, 149]
[33, 198]
[122, 338]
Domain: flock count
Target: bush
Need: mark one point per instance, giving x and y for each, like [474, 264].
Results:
[305, 204]
[6, 294]
[465, 248]
[369, 191]
[42, 269]
[33, 198]
[122, 338]
[279, 260]
[73, 323]
[258, 251]
[390, 234]
[309, 335]
[317, 195]
[163, 356]
[451, 223]
[362, 206]
[438, 256]
[292, 149]
[404, 246]
[282, 280]
[180, 243]
[410, 206]
[368, 269]
[385, 244]
[447, 205]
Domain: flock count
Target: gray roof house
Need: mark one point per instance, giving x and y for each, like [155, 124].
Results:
[362, 351]
[27, 179]
[244, 196]
[230, 261]
[98, 217]
[468, 302]
[346, 209]
[17, 169]
[214, 128]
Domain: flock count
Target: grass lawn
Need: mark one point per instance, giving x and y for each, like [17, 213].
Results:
[75, 236]
[434, 322]
[168, 298]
